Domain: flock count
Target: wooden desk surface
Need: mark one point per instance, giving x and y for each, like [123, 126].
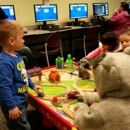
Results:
[38, 32]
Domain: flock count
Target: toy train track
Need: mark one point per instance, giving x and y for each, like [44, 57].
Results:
[65, 105]
[49, 98]
[53, 85]
[68, 89]
[65, 108]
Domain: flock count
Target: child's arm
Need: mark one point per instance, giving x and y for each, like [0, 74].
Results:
[86, 117]
[33, 86]
[6, 82]
[94, 53]
[88, 97]
[36, 88]
[91, 97]
[86, 113]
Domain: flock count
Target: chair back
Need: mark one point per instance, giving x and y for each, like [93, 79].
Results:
[106, 27]
[92, 33]
[53, 40]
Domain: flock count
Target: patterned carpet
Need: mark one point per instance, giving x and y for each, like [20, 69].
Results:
[2, 122]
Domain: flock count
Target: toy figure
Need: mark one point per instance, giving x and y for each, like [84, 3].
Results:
[83, 64]
[40, 93]
[69, 62]
[59, 62]
[55, 99]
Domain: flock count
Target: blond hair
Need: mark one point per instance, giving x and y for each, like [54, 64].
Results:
[8, 28]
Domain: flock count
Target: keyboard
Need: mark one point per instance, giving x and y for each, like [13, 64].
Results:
[55, 29]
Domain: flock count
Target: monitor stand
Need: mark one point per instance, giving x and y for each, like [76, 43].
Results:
[98, 20]
[46, 26]
[78, 23]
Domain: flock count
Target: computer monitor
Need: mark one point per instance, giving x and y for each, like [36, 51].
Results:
[77, 11]
[100, 9]
[44, 13]
[9, 11]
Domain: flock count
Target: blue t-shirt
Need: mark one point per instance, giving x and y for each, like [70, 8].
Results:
[14, 80]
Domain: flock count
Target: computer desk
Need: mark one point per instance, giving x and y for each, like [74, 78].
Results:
[39, 32]
[37, 37]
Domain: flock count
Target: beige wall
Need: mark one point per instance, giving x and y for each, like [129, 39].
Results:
[25, 13]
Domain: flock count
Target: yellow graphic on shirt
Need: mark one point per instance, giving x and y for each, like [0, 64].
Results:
[20, 65]
[23, 89]
[21, 68]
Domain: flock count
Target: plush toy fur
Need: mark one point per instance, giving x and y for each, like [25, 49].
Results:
[110, 106]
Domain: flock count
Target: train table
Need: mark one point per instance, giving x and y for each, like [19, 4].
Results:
[56, 105]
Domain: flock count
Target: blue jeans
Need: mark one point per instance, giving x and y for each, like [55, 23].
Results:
[21, 123]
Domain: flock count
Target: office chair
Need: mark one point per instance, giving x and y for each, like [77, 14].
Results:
[90, 37]
[53, 44]
[107, 26]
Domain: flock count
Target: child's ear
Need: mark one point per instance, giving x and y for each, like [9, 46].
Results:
[11, 41]
[127, 50]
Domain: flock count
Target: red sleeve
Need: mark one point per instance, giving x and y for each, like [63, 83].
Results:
[95, 52]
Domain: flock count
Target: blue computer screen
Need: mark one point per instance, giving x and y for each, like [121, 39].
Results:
[78, 11]
[100, 9]
[45, 12]
[9, 11]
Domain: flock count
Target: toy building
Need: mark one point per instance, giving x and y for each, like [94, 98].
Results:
[54, 76]
[36, 71]
[82, 65]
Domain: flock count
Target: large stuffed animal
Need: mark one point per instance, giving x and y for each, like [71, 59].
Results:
[109, 107]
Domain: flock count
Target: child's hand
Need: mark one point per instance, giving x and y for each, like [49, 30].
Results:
[14, 114]
[36, 88]
[117, 10]
[80, 93]
[86, 57]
